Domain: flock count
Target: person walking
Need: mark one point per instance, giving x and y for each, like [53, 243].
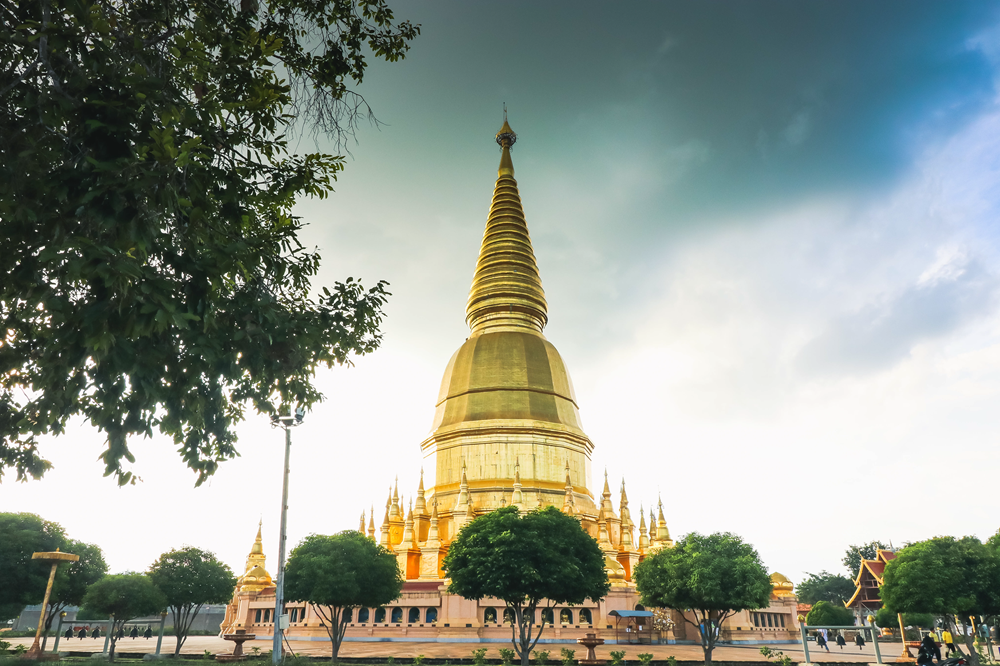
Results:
[859, 640]
[148, 633]
[96, 633]
[840, 641]
[821, 641]
[82, 634]
[936, 643]
[134, 634]
[947, 639]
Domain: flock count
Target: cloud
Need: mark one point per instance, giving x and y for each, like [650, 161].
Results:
[883, 333]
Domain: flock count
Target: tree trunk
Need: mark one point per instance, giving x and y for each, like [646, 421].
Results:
[708, 654]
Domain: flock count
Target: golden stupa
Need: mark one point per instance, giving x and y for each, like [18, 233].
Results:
[506, 426]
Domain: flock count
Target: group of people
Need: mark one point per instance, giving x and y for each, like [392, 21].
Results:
[121, 632]
[823, 642]
[930, 647]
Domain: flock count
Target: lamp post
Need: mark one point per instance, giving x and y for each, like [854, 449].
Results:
[286, 423]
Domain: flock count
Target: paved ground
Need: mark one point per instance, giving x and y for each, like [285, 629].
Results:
[403, 650]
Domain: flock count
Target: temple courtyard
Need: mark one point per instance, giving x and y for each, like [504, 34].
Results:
[401, 650]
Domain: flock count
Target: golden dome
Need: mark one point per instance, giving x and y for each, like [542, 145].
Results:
[507, 375]
[781, 586]
[614, 569]
[255, 580]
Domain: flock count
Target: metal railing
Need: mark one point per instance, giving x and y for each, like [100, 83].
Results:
[804, 628]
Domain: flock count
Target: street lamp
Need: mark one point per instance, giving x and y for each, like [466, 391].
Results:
[286, 423]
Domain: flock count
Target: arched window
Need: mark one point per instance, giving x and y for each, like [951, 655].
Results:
[413, 616]
[348, 615]
[508, 616]
[397, 615]
[585, 617]
[490, 616]
[363, 615]
[380, 615]
[640, 607]
[530, 615]
[432, 615]
[547, 616]
[566, 616]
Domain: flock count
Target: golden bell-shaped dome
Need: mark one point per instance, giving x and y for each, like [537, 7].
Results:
[614, 569]
[781, 586]
[255, 580]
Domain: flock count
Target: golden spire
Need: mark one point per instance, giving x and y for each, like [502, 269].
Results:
[463, 489]
[569, 503]
[421, 505]
[609, 509]
[258, 546]
[361, 527]
[643, 537]
[433, 538]
[386, 528]
[408, 528]
[506, 290]
[662, 533]
[603, 539]
[395, 512]
[371, 523]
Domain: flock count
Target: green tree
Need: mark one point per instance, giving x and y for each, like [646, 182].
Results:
[341, 572]
[152, 273]
[524, 560]
[190, 578]
[825, 586]
[854, 555]
[947, 577]
[24, 580]
[827, 613]
[124, 597]
[887, 619]
[713, 576]
[72, 580]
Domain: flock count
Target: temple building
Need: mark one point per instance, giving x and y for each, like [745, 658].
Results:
[867, 597]
[506, 431]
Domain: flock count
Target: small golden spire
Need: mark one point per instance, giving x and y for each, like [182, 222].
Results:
[463, 489]
[361, 527]
[421, 504]
[371, 523]
[662, 533]
[506, 290]
[643, 536]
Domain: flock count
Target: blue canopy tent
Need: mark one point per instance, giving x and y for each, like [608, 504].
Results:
[638, 626]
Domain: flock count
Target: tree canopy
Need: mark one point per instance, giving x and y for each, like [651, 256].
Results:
[854, 555]
[153, 275]
[24, 579]
[825, 586]
[189, 578]
[831, 614]
[124, 596]
[944, 576]
[340, 572]
[72, 580]
[714, 576]
[523, 560]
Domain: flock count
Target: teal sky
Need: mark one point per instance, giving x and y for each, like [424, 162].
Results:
[767, 234]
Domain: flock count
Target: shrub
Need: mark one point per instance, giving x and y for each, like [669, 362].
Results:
[567, 656]
[479, 657]
[617, 657]
[644, 658]
[418, 660]
[541, 657]
[4, 646]
[671, 660]
[389, 661]
[208, 655]
[506, 656]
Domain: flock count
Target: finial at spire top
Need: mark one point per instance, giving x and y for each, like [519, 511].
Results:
[506, 136]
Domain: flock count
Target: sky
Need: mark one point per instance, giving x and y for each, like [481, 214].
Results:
[768, 238]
